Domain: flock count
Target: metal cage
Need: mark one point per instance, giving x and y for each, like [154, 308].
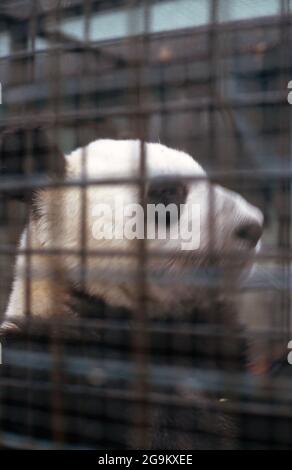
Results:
[210, 77]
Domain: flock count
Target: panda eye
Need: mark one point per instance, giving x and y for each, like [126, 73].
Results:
[167, 193]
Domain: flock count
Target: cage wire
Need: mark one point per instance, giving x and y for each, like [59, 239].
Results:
[207, 77]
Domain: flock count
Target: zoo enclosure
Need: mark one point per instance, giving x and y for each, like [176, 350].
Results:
[207, 77]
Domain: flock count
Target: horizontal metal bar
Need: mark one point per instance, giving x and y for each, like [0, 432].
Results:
[278, 254]
[192, 379]
[255, 99]
[25, 183]
[178, 328]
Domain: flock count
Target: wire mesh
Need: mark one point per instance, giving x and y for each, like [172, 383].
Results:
[206, 77]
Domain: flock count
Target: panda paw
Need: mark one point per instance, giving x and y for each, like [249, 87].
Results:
[8, 327]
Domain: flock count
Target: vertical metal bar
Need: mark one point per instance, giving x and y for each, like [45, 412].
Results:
[212, 76]
[140, 338]
[28, 170]
[55, 271]
[83, 238]
[285, 187]
[84, 176]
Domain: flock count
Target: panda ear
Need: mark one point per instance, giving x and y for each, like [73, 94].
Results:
[26, 153]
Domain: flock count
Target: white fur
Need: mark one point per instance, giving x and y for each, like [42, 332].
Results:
[113, 277]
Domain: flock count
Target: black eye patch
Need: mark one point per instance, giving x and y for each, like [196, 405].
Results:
[167, 193]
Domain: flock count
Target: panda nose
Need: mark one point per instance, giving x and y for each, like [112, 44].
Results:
[249, 232]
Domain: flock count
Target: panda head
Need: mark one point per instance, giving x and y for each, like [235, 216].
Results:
[97, 226]
[211, 229]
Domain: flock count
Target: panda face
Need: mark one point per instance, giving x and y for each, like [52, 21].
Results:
[173, 178]
[231, 226]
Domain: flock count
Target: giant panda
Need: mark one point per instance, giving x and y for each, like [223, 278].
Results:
[105, 270]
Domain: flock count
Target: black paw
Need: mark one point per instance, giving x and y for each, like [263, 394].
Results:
[8, 327]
